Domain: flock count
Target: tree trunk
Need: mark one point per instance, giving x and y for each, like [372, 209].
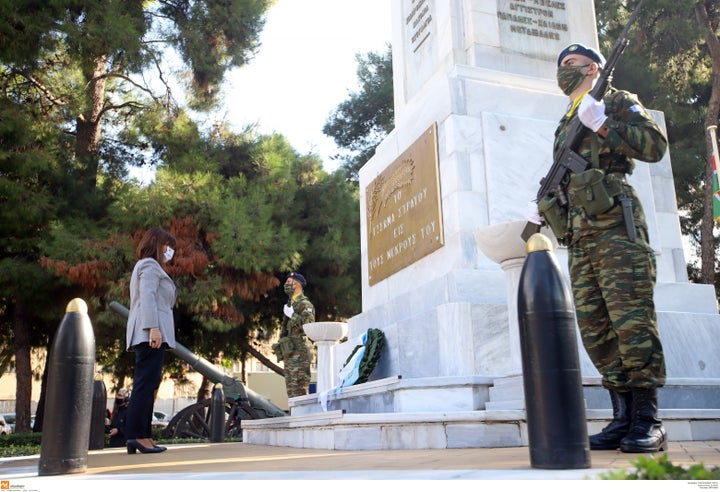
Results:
[707, 238]
[204, 389]
[261, 357]
[88, 124]
[23, 370]
[40, 412]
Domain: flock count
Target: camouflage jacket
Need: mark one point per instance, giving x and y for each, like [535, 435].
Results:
[633, 134]
[303, 312]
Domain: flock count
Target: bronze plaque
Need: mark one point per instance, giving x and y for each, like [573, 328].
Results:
[404, 216]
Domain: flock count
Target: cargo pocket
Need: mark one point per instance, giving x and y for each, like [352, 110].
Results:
[588, 190]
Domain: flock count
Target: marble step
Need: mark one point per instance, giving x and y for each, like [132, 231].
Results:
[470, 393]
[339, 430]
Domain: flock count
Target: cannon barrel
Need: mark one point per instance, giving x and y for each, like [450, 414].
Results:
[231, 386]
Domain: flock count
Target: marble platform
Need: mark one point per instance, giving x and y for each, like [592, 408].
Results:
[389, 414]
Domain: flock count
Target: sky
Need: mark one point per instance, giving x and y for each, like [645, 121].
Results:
[305, 68]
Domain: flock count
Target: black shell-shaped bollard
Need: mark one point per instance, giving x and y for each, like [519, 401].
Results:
[557, 427]
[217, 414]
[66, 426]
[98, 412]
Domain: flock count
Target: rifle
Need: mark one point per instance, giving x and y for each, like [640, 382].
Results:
[568, 159]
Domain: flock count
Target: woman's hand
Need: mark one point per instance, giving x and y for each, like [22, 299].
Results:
[155, 338]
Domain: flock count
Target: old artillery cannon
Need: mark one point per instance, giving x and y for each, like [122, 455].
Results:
[240, 402]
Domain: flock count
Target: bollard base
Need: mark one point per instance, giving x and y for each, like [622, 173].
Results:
[62, 467]
[567, 458]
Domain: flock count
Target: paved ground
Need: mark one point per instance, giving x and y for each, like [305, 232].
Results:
[198, 466]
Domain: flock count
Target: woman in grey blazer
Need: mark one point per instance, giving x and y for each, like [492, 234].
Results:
[150, 331]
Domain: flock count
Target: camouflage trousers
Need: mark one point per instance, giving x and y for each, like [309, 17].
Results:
[297, 373]
[613, 281]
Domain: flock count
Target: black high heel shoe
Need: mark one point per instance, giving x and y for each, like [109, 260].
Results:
[155, 445]
[133, 445]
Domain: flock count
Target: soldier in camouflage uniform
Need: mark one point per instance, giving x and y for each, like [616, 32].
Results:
[298, 311]
[611, 263]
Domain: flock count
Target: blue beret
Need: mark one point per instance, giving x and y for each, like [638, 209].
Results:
[297, 277]
[579, 49]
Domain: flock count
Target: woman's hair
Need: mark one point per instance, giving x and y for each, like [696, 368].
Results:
[152, 243]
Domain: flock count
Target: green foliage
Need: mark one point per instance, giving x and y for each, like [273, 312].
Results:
[87, 96]
[361, 122]
[174, 194]
[23, 29]
[28, 179]
[252, 235]
[331, 220]
[20, 444]
[668, 63]
[19, 450]
[214, 36]
[660, 468]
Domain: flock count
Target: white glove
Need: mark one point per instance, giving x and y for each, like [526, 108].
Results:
[592, 112]
[288, 310]
[532, 214]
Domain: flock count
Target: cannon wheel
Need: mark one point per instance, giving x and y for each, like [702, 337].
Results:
[194, 421]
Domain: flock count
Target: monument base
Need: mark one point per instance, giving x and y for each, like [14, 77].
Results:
[485, 411]
[364, 417]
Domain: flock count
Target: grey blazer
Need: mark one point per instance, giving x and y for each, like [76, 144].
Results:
[152, 297]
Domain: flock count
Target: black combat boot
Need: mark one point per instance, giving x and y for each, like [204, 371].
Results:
[615, 431]
[647, 434]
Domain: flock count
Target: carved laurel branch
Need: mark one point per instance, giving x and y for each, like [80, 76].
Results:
[382, 189]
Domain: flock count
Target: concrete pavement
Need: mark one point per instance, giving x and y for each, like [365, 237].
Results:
[190, 465]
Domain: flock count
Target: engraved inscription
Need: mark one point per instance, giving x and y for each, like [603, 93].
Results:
[417, 22]
[533, 27]
[404, 217]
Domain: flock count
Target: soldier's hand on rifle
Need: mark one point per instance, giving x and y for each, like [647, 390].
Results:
[532, 214]
[592, 113]
[288, 310]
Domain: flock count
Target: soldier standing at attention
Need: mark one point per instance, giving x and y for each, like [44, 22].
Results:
[611, 264]
[298, 311]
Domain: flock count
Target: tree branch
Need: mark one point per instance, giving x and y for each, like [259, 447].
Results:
[113, 107]
[42, 88]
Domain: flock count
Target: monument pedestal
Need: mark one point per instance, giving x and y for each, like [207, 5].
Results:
[325, 334]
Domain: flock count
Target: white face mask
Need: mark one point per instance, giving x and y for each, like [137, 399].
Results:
[169, 252]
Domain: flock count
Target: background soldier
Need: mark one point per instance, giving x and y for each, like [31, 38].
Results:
[611, 264]
[117, 425]
[295, 345]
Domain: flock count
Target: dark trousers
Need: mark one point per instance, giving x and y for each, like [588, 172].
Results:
[146, 381]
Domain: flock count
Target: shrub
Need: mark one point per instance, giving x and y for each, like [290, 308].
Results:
[660, 468]
[24, 444]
